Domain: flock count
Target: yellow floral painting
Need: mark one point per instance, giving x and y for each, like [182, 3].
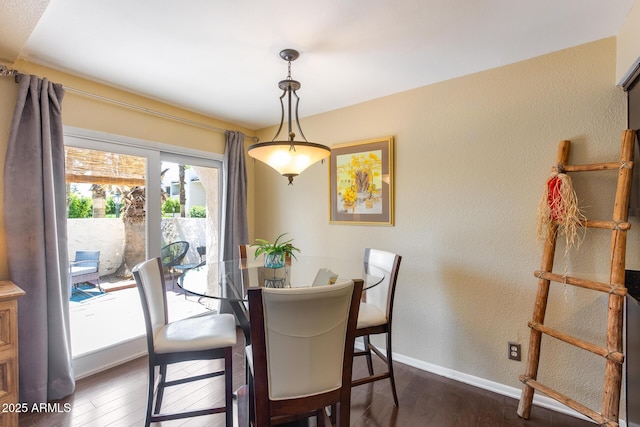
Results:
[359, 178]
[361, 182]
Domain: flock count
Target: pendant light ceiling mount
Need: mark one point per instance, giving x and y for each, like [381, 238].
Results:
[289, 54]
[289, 157]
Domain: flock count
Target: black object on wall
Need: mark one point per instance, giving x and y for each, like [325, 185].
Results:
[631, 85]
[632, 357]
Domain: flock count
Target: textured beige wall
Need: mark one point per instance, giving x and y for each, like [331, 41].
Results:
[472, 156]
[628, 42]
[98, 115]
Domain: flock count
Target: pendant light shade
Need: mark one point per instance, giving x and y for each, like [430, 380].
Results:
[289, 157]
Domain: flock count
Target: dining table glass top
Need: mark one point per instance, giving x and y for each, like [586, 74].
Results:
[230, 280]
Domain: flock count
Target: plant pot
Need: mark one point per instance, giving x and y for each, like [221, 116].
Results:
[274, 260]
[349, 206]
[275, 283]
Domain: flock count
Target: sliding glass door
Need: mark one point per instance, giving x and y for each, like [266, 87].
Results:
[190, 220]
[127, 199]
[106, 219]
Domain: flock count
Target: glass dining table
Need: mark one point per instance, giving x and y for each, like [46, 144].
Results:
[229, 281]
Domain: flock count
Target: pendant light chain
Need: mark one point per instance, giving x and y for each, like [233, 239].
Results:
[289, 90]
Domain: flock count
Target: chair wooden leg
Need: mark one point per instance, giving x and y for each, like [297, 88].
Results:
[324, 419]
[228, 386]
[367, 349]
[162, 377]
[343, 416]
[152, 386]
[390, 368]
[334, 418]
[252, 408]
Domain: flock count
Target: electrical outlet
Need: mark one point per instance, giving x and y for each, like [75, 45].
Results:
[514, 351]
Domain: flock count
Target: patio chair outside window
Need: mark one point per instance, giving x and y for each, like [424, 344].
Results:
[85, 268]
[171, 255]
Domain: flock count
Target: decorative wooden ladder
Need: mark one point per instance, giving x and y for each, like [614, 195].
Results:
[613, 352]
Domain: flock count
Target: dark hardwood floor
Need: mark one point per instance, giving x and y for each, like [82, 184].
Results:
[117, 397]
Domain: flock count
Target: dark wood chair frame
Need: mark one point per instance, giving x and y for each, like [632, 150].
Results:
[380, 329]
[162, 360]
[288, 410]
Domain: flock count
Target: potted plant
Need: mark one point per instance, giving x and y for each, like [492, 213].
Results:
[275, 253]
[349, 197]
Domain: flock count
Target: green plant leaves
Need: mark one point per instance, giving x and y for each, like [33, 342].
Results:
[267, 248]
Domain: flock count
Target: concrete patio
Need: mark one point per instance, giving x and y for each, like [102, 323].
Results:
[116, 316]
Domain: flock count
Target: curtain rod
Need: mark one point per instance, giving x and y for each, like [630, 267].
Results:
[7, 72]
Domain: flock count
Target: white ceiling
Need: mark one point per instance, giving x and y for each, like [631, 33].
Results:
[220, 57]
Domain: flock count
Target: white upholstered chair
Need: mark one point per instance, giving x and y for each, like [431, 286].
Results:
[301, 353]
[197, 338]
[376, 314]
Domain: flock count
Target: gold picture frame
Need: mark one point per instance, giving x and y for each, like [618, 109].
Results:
[361, 182]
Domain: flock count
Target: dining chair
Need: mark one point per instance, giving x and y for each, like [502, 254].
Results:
[375, 316]
[205, 337]
[248, 258]
[301, 353]
[248, 252]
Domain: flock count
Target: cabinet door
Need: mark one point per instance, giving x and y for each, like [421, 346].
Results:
[8, 362]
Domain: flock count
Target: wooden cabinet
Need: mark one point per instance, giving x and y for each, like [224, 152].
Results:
[9, 294]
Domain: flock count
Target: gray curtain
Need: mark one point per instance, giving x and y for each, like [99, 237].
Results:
[235, 215]
[36, 225]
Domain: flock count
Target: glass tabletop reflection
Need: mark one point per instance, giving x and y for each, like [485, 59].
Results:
[230, 280]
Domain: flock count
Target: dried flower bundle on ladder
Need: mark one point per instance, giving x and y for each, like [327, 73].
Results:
[559, 204]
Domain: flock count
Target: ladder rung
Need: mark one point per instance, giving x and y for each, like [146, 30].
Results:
[609, 225]
[604, 224]
[596, 167]
[619, 290]
[595, 416]
[596, 349]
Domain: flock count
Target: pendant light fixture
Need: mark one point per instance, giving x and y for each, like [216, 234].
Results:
[288, 156]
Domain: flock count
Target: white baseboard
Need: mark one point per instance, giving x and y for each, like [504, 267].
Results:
[505, 390]
[93, 362]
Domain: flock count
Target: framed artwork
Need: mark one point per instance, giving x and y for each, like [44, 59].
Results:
[361, 182]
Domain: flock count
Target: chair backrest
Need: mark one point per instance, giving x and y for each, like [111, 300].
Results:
[382, 295]
[173, 253]
[306, 336]
[248, 252]
[88, 256]
[149, 276]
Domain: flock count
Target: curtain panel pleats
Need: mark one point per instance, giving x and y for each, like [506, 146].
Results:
[236, 231]
[36, 227]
